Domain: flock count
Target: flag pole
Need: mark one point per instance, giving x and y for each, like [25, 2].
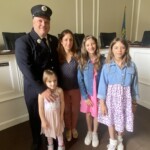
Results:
[123, 29]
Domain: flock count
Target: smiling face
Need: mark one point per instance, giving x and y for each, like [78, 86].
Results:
[118, 50]
[41, 26]
[67, 42]
[51, 82]
[90, 46]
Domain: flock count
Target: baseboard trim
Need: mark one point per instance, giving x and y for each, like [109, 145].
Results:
[14, 121]
[144, 104]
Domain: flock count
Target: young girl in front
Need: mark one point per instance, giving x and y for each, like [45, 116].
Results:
[90, 65]
[51, 113]
[68, 59]
[118, 93]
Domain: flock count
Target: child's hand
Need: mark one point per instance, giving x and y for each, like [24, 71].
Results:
[134, 106]
[45, 124]
[88, 102]
[103, 108]
[62, 118]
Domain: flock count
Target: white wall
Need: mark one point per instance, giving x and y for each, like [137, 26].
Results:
[12, 112]
[141, 21]
[12, 105]
[87, 16]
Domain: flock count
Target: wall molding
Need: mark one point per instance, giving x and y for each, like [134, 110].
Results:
[144, 104]
[98, 18]
[132, 17]
[82, 16]
[77, 18]
[11, 87]
[13, 121]
[137, 21]
[93, 19]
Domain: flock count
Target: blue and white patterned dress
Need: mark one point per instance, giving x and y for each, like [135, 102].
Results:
[119, 107]
[118, 87]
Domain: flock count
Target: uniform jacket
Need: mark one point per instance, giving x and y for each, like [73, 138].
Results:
[85, 78]
[33, 57]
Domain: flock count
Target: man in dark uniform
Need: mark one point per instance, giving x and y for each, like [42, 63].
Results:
[36, 52]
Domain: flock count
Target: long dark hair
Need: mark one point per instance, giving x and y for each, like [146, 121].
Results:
[61, 51]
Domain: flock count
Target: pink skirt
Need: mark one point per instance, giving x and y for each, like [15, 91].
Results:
[84, 108]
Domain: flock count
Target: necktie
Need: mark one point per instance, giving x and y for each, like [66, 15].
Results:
[44, 41]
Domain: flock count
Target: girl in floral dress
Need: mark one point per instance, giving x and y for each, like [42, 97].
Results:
[118, 92]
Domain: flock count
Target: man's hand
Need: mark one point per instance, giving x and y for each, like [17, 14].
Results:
[48, 95]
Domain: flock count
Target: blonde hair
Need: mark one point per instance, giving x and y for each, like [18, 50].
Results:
[47, 75]
[61, 50]
[126, 57]
[84, 57]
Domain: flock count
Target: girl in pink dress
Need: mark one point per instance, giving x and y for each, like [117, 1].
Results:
[51, 113]
[90, 65]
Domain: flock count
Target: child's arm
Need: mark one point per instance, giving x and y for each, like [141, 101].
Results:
[88, 102]
[135, 90]
[62, 104]
[103, 107]
[134, 86]
[134, 105]
[44, 122]
[82, 87]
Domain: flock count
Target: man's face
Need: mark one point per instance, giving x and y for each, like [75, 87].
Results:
[41, 26]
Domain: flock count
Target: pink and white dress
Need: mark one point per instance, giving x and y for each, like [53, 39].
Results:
[52, 115]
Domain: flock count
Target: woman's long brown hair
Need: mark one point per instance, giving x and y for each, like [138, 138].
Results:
[61, 50]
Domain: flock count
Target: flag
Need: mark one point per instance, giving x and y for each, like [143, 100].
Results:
[123, 30]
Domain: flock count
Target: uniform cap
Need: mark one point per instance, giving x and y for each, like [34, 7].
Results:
[41, 11]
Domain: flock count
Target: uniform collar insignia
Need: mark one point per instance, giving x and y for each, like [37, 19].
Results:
[39, 41]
